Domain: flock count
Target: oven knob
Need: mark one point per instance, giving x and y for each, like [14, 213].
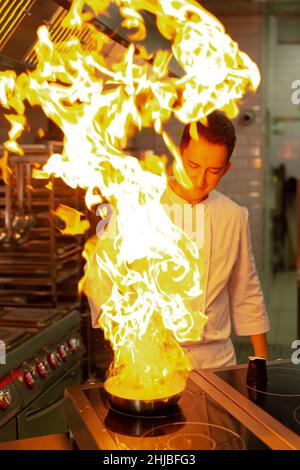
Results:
[62, 352]
[58, 359]
[52, 359]
[28, 379]
[72, 344]
[5, 399]
[41, 368]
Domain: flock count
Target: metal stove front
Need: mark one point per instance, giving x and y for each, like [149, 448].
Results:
[36, 372]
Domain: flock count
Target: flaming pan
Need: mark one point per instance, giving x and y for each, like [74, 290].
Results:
[142, 407]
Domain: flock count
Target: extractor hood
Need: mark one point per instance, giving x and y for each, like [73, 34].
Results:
[20, 20]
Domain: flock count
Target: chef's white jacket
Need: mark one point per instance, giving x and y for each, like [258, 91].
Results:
[232, 293]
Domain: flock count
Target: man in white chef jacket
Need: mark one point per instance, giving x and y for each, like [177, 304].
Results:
[232, 292]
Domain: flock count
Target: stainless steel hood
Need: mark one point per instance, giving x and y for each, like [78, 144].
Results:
[12, 13]
[19, 20]
[18, 24]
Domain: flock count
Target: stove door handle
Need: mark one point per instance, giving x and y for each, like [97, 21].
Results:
[31, 414]
[51, 404]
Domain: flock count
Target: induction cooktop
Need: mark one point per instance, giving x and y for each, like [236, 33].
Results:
[197, 422]
[274, 402]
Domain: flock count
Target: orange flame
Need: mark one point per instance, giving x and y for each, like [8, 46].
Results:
[72, 218]
[143, 272]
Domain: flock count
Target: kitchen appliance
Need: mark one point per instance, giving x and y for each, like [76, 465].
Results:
[197, 422]
[43, 356]
[273, 402]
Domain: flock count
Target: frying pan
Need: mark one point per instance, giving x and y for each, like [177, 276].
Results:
[155, 406]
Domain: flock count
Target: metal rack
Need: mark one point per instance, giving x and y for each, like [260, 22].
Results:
[39, 266]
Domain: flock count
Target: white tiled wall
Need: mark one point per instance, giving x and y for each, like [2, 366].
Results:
[284, 114]
[244, 182]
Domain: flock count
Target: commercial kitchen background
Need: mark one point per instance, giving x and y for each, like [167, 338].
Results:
[266, 161]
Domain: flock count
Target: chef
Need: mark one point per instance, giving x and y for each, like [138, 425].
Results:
[232, 292]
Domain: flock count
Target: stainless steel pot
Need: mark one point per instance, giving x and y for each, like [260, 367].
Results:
[142, 407]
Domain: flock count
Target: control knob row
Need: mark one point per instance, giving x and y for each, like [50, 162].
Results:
[28, 375]
[54, 359]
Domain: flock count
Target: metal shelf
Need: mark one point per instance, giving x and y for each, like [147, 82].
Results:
[45, 258]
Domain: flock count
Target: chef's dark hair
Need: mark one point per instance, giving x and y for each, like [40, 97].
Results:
[220, 130]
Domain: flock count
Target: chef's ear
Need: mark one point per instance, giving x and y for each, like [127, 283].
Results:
[227, 167]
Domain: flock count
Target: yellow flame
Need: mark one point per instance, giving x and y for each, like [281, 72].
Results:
[4, 168]
[73, 220]
[143, 272]
[17, 127]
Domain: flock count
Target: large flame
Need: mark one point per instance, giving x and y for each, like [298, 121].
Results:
[143, 272]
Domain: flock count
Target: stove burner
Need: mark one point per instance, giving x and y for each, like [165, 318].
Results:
[281, 380]
[297, 414]
[191, 441]
[29, 316]
[12, 336]
[191, 436]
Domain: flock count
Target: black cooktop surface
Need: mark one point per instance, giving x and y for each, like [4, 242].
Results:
[279, 396]
[197, 422]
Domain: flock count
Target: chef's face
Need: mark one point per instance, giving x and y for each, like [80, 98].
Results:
[205, 163]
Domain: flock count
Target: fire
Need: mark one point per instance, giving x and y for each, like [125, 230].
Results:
[73, 220]
[143, 272]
